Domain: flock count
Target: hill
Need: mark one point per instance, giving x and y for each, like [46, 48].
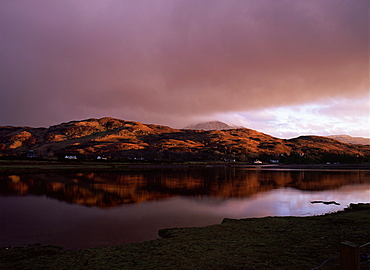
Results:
[350, 139]
[212, 125]
[128, 140]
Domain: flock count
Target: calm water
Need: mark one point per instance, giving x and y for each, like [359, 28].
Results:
[81, 210]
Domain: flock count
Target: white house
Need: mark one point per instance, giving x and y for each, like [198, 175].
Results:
[70, 157]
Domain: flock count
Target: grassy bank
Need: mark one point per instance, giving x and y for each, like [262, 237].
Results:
[255, 243]
[37, 166]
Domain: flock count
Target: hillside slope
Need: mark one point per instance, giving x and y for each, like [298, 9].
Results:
[122, 139]
[350, 139]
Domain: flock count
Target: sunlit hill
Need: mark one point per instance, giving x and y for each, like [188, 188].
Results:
[109, 138]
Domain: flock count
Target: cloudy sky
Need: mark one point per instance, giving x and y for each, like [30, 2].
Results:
[283, 67]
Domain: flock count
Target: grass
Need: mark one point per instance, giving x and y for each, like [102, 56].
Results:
[254, 243]
[32, 166]
[37, 166]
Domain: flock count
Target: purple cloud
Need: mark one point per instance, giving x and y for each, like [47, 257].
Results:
[168, 62]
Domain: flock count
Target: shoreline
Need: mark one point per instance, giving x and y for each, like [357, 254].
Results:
[252, 243]
[36, 166]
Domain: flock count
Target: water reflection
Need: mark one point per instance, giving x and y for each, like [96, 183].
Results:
[106, 190]
[83, 210]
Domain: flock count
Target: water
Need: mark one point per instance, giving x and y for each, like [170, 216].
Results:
[82, 210]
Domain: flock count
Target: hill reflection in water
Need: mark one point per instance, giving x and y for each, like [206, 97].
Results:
[106, 190]
[83, 210]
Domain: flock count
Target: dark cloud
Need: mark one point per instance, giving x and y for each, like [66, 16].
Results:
[161, 61]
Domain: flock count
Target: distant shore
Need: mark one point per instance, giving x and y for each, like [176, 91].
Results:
[35, 166]
[253, 243]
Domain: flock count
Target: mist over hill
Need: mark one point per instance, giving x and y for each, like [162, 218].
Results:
[211, 125]
[127, 140]
[350, 139]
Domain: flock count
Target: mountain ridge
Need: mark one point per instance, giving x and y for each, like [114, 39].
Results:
[121, 139]
[211, 125]
[350, 139]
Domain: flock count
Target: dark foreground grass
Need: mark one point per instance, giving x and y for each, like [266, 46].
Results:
[255, 243]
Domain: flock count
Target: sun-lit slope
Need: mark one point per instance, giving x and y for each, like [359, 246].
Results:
[127, 139]
[242, 141]
[350, 139]
[19, 138]
[87, 136]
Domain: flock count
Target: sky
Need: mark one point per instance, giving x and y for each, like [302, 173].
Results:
[283, 67]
